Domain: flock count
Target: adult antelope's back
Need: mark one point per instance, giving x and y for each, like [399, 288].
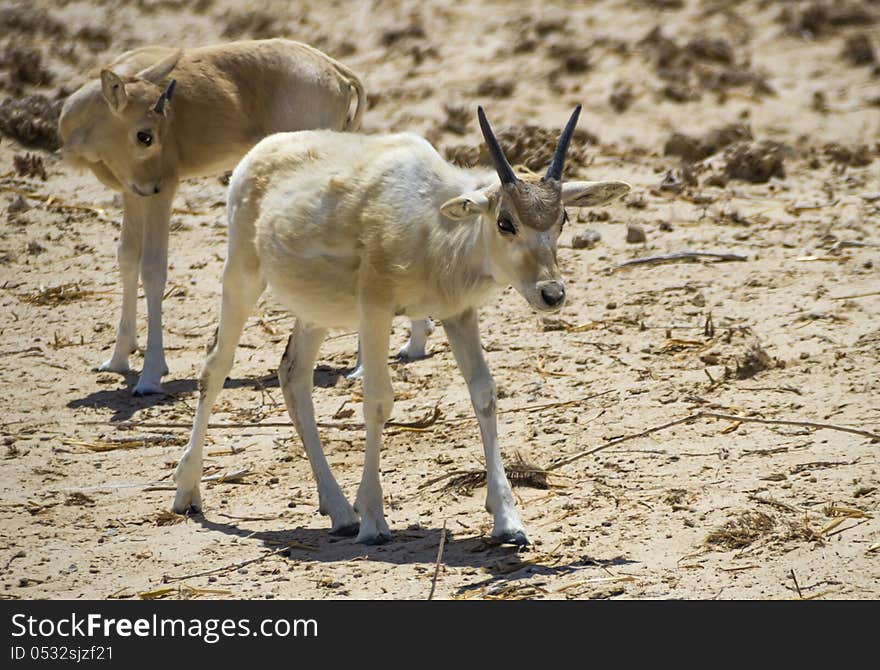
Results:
[354, 229]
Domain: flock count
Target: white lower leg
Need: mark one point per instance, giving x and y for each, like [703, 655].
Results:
[464, 338]
[128, 256]
[240, 292]
[418, 339]
[295, 374]
[375, 333]
[154, 269]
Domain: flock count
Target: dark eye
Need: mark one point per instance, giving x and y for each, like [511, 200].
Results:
[145, 137]
[505, 225]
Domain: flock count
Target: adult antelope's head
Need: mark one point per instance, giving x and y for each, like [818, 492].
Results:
[523, 216]
[124, 131]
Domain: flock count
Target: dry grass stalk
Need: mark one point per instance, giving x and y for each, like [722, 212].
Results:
[184, 591]
[439, 558]
[875, 437]
[519, 473]
[167, 518]
[56, 295]
[221, 478]
[127, 443]
[742, 530]
[227, 568]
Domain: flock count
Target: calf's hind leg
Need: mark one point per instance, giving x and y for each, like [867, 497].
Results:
[295, 373]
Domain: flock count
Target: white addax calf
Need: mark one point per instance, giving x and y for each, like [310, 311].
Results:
[157, 115]
[351, 230]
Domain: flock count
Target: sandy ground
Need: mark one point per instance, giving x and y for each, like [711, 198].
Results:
[705, 509]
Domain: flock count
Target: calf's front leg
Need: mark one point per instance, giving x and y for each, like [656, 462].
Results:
[128, 256]
[375, 332]
[154, 270]
[464, 338]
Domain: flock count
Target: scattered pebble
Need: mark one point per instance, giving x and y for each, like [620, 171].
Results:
[586, 239]
[635, 234]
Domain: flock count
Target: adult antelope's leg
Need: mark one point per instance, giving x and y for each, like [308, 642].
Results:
[296, 374]
[375, 332]
[154, 269]
[418, 338]
[242, 286]
[128, 256]
[412, 350]
[464, 338]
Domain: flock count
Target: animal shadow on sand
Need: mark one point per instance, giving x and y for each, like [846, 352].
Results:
[502, 562]
[125, 405]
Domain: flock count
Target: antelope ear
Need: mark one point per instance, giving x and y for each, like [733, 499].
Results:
[592, 193]
[159, 70]
[113, 89]
[466, 205]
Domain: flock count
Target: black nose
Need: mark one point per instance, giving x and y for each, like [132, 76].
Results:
[553, 294]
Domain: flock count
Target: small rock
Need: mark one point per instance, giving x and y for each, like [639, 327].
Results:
[671, 183]
[586, 239]
[18, 204]
[611, 305]
[635, 234]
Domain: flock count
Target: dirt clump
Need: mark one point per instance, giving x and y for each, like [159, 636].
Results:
[691, 149]
[31, 120]
[21, 19]
[621, 97]
[528, 145]
[703, 63]
[822, 18]
[859, 50]
[458, 118]
[572, 58]
[96, 38]
[753, 360]
[29, 165]
[858, 156]
[756, 162]
[496, 88]
[255, 24]
[25, 66]
[413, 30]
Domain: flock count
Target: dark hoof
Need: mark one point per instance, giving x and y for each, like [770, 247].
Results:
[350, 530]
[381, 538]
[518, 539]
[191, 510]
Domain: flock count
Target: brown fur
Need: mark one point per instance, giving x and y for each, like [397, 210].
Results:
[537, 203]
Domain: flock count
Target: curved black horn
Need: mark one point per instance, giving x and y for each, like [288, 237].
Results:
[166, 96]
[558, 162]
[502, 167]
